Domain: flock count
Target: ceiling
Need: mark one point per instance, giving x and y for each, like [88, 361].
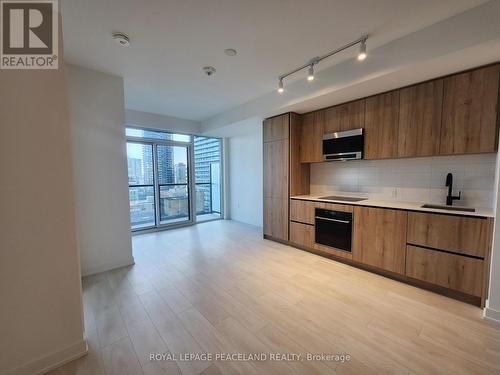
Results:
[172, 40]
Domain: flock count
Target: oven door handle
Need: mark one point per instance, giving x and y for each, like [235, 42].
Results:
[335, 220]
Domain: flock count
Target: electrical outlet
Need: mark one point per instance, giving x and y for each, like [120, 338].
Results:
[394, 193]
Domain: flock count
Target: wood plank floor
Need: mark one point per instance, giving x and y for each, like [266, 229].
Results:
[218, 287]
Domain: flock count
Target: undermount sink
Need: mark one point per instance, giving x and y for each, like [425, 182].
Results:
[449, 208]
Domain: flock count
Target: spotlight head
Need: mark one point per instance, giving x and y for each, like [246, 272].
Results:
[310, 74]
[280, 86]
[362, 50]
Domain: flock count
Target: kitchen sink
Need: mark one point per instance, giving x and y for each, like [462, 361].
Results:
[449, 208]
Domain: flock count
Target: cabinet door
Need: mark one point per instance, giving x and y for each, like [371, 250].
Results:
[276, 169]
[276, 218]
[302, 234]
[458, 234]
[276, 128]
[380, 238]
[311, 145]
[420, 109]
[448, 270]
[345, 117]
[470, 112]
[381, 126]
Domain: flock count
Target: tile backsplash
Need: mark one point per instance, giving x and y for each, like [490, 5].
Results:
[412, 180]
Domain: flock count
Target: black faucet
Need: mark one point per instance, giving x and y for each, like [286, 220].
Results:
[449, 183]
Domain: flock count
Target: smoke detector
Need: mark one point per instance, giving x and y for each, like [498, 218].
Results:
[230, 52]
[122, 39]
[209, 70]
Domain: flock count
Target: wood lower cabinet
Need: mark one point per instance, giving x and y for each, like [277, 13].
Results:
[380, 238]
[458, 234]
[311, 137]
[420, 109]
[302, 211]
[302, 234]
[276, 218]
[470, 112]
[452, 271]
[381, 126]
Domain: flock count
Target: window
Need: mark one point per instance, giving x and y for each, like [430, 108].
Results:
[207, 171]
[161, 189]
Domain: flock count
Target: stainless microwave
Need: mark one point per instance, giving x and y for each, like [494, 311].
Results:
[346, 145]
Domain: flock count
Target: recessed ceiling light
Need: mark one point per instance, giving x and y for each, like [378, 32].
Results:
[230, 52]
[122, 39]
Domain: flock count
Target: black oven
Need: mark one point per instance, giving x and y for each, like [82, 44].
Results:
[333, 228]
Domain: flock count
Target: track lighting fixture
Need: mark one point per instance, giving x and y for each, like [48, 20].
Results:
[280, 86]
[310, 65]
[310, 74]
[362, 50]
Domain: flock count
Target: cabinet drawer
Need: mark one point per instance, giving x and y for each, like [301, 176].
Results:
[458, 234]
[302, 234]
[302, 211]
[451, 271]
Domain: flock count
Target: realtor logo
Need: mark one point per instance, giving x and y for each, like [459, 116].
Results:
[29, 34]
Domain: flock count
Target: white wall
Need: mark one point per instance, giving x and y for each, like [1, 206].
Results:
[161, 122]
[412, 180]
[100, 169]
[492, 310]
[244, 170]
[40, 288]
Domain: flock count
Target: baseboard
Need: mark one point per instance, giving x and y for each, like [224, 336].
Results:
[44, 364]
[491, 314]
[107, 267]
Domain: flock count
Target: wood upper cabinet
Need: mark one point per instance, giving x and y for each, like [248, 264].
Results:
[447, 270]
[381, 126]
[380, 238]
[276, 128]
[345, 117]
[311, 140]
[420, 109]
[458, 234]
[470, 112]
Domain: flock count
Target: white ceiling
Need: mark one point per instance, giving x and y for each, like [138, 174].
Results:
[172, 40]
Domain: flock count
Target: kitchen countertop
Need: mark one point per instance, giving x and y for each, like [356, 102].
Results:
[402, 205]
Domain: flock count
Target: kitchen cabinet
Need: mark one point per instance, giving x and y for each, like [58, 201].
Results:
[346, 116]
[276, 128]
[380, 238]
[420, 110]
[302, 211]
[311, 137]
[470, 112]
[458, 234]
[276, 176]
[283, 172]
[302, 234]
[451, 271]
[381, 126]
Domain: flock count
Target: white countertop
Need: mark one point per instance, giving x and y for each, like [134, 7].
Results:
[411, 206]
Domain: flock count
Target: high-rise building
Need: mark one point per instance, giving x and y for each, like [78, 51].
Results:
[207, 157]
[180, 173]
[134, 170]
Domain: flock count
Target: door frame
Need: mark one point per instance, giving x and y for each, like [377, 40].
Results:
[190, 184]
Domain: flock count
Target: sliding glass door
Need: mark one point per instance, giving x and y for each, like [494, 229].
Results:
[173, 183]
[174, 179]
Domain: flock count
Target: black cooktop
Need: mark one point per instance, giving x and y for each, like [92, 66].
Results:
[340, 198]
